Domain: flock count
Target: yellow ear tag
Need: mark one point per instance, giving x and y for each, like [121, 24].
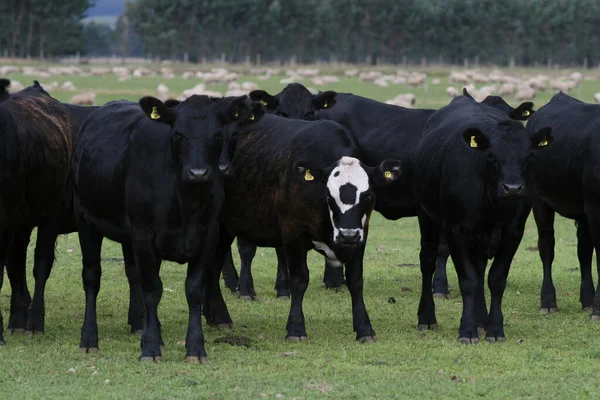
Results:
[543, 143]
[154, 114]
[308, 176]
[387, 174]
[473, 142]
[325, 105]
[526, 113]
[251, 118]
[236, 115]
[264, 103]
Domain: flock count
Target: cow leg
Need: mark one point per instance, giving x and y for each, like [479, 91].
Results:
[298, 269]
[215, 309]
[2, 342]
[148, 264]
[195, 286]
[333, 276]
[135, 314]
[466, 269]
[585, 252]
[246, 287]
[440, 279]
[544, 219]
[4, 242]
[511, 238]
[593, 217]
[91, 246]
[230, 275]
[354, 278]
[429, 244]
[282, 281]
[43, 260]
[481, 313]
[16, 269]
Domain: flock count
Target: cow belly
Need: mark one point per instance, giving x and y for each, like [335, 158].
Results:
[180, 245]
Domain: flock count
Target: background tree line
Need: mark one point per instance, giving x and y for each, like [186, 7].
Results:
[358, 31]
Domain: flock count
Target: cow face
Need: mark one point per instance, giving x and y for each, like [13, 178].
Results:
[295, 101]
[348, 186]
[198, 125]
[239, 114]
[507, 153]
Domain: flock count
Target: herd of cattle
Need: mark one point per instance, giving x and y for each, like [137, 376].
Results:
[179, 180]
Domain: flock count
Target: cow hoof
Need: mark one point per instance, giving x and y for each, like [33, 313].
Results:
[425, 327]
[296, 338]
[196, 359]
[548, 310]
[596, 318]
[367, 339]
[481, 331]
[2, 342]
[587, 309]
[440, 295]
[34, 332]
[150, 358]
[137, 332]
[283, 297]
[88, 349]
[17, 331]
[500, 339]
[247, 298]
[225, 326]
[466, 340]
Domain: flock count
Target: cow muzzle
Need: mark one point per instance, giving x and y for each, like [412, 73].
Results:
[198, 175]
[349, 237]
[512, 191]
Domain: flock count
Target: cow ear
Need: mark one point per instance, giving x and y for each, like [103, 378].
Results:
[157, 111]
[542, 138]
[170, 103]
[324, 100]
[256, 111]
[386, 172]
[466, 93]
[268, 101]
[308, 172]
[523, 111]
[235, 110]
[476, 139]
[4, 84]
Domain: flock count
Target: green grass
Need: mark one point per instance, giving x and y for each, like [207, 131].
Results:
[545, 356]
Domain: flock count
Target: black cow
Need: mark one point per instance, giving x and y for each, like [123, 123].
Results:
[300, 185]
[146, 176]
[469, 183]
[38, 138]
[295, 102]
[566, 181]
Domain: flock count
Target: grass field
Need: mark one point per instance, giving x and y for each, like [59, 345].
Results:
[545, 356]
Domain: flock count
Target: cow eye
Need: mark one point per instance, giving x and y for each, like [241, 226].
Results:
[178, 135]
[281, 114]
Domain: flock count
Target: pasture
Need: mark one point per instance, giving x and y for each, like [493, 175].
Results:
[545, 356]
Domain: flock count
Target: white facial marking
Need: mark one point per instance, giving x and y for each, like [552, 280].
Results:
[349, 171]
[331, 257]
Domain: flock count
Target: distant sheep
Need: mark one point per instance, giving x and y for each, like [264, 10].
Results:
[84, 99]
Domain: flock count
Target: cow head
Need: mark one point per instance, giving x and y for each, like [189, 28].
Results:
[521, 113]
[241, 112]
[295, 101]
[349, 193]
[507, 151]
[198, 127]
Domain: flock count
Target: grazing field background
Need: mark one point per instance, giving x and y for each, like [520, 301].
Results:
[545, 356]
